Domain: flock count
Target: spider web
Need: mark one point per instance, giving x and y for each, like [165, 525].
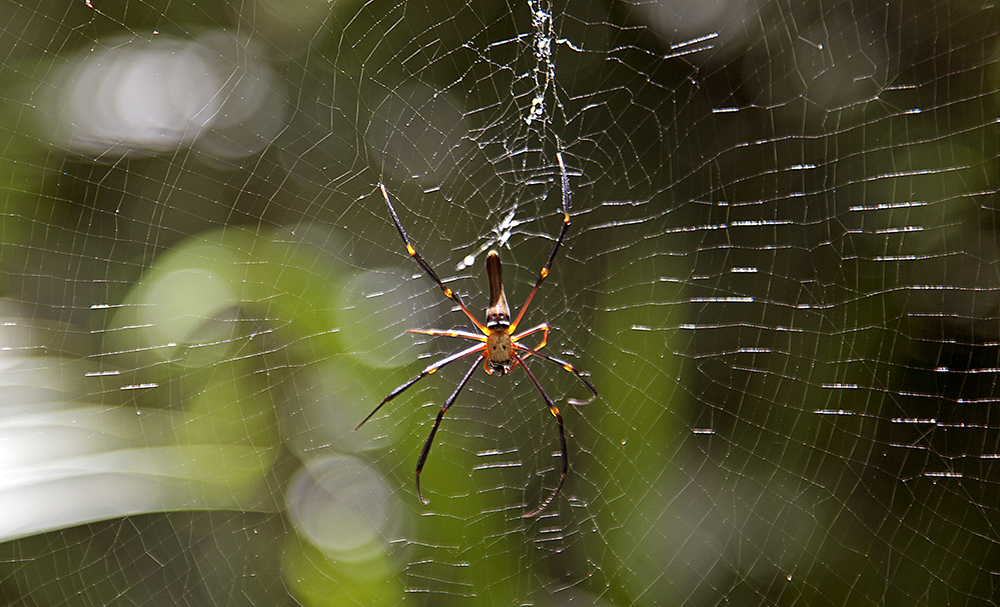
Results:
[781, 275]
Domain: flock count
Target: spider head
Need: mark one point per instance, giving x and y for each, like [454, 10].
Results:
[502, 368]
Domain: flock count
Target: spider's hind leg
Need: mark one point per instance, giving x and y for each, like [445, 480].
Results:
[437, 422]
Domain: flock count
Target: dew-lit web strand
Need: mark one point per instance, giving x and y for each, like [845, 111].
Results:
[562, 440]
[437, 422]
[566, 199]
[430, 369]
[565, 365]
[498, 330]
[452, 295]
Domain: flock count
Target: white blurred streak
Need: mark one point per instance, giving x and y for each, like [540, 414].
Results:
[65, 462]
[343, 507]
[31, 382]
[154, 96]
[63, 468]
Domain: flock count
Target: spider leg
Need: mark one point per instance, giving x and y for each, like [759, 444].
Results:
[452, 295]
[529, 351]
[423, 374]
[545, 338]
[562, 439]
[449, 333]
[568, 367]
[437, 422]
[566, 198]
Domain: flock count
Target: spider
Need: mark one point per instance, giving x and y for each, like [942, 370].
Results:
[498, 345]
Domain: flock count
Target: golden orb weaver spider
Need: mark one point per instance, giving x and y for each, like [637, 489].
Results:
[498, 345]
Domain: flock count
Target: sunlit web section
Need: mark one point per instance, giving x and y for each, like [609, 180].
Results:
[781, 274]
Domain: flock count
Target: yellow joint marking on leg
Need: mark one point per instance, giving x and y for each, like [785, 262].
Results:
[565, 217]
[545, 272]
[569, 368]
[448, 293]
[555, 411]
[410, 250]
[431, 370]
